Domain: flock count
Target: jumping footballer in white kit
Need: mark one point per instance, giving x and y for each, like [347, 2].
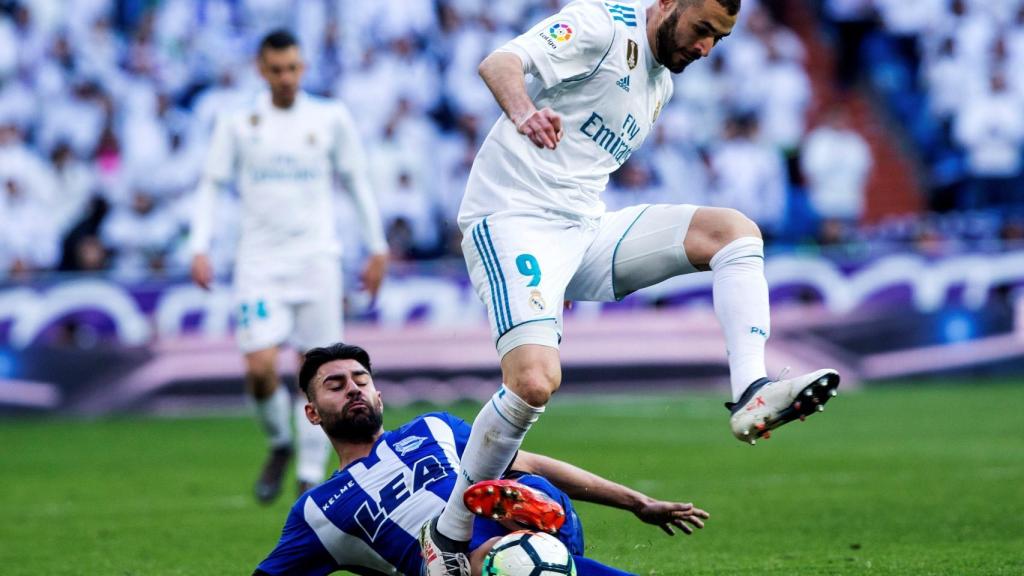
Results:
[581, 91]
[282, 151]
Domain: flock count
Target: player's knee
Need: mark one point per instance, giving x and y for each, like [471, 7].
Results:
[730, 224]
[261, 380]
[535, 384]
[713, 229]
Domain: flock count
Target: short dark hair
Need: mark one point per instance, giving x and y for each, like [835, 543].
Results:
[731, 6]
[317, 357]
[278, 39]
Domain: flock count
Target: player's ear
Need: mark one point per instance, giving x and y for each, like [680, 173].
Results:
[380, 401]
[312, 415]
[261, 65]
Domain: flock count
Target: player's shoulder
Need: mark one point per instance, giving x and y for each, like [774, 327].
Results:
[607, 14]
[591, 18]
[596, 22]
[438, 424]
[247, 110]
[324, 106]
[427, 419]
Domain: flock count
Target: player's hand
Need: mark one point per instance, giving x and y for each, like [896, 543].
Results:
[669, 515]
[202, 271]
[543, 127]
[373, 273]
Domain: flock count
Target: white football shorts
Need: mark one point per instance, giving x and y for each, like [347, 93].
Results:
[524, 265]
[300, 307]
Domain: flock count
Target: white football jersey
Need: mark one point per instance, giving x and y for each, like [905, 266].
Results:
[592, 65]
[283, 162]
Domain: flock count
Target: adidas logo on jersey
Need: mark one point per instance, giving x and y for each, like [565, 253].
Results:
[623, 83]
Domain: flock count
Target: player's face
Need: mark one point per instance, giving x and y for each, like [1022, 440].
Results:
[282, 69]
[689, 32]
[345, 403]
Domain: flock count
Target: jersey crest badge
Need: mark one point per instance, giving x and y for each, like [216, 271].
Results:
[657, 112]
[311, 139]
[254, 120]
[632, 54]
[409, 444]
[537, 301]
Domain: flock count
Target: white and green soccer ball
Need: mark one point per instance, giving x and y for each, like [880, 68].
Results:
[526, 553]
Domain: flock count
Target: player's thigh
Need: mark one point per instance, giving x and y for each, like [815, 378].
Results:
[519, 266]
[318, 320]
[263, 320]
[636, 247]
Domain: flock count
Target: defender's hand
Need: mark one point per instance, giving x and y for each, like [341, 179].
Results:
[202, 271]
[543, 127]
[373, 273]
[665, 515]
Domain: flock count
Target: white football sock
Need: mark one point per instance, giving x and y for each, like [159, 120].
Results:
[741, 303]
[498, 431]
[314, 448]
[273, 413]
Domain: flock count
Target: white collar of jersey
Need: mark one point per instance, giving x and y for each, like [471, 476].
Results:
[267, 102]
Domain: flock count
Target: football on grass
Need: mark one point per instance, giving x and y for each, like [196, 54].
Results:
[526, 553]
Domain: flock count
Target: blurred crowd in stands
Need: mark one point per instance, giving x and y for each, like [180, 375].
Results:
[952, 72]
[106, 107]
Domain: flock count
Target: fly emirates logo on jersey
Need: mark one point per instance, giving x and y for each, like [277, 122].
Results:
[373, 512]
[618, 143]
[282, 167]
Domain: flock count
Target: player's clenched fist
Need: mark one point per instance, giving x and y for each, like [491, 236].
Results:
[543, 127]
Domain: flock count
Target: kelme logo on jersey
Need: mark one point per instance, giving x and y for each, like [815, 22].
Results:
[613, 142]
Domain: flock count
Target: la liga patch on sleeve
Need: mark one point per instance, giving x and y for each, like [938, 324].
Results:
[558, 34]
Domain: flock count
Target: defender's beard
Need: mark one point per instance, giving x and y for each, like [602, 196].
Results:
[357, 427]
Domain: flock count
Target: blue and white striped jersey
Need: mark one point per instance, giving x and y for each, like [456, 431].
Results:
[365, 518]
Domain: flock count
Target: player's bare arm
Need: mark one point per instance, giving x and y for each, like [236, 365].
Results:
[202, 271]
[502, 72]
[373, 272]
[580, 484]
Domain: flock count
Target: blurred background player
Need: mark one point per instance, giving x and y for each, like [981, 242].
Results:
[364, 519]
[282, 151]
[536, 232]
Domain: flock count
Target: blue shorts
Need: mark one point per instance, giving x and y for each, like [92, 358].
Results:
[571, 533]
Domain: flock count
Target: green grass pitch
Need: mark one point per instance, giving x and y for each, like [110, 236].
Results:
[907, 480]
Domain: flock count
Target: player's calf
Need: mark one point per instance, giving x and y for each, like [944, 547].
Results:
[268, 485]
